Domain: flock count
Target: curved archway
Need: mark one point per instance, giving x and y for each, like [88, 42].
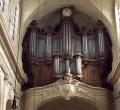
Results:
[60, 103]
[78, 18]
[93, 10]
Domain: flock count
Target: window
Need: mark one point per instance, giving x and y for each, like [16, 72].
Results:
[119, 14]
[2, 4]
[13, 23]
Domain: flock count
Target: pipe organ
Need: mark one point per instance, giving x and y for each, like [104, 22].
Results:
[67, 47]
[66, 50]
[66, 38]
[101, 41]
[33, 42]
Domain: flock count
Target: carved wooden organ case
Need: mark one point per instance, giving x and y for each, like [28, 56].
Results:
[49, 54]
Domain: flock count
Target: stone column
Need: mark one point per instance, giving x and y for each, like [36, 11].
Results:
[6, 90]
[117, 94]
[1, 88]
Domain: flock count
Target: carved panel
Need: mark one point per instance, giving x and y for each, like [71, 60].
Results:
[91, 75]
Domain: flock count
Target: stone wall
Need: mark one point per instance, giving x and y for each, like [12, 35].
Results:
[35, 97]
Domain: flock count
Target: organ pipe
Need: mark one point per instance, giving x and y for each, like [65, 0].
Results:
[67, 65]
[56, 46]
[40, 47]
[72, 67]
[48, 45]
[92, 47]
[78, 61]
[77, 46]
[66, 38]
[85, 44]
[73, 46]
[65, 49]
[70, 37]
[101, 42]
[33, 39]
[57, 65]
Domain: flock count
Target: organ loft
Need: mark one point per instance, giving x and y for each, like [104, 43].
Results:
[67, 43]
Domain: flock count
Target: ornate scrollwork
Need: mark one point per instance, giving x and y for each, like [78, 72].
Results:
[67, 86]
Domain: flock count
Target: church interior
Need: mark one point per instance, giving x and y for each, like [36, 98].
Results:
[59, 54]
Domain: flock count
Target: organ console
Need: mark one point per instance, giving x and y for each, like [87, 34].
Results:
[67, 50]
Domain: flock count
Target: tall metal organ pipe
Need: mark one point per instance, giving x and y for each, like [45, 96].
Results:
[33, 39]
[92, 46]
[85, 44]
[101, 42]
[78, 62]
[48, 45]
[56, 46]
[40, 47]
[57, 65]
[67, 38]
[77, 50]
[67, 65]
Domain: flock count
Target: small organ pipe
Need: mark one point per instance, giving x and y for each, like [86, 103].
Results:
[40, 47]
[101, 43]
[85, 46]
[85, 42]
[56, 46]
[67, 66]
[73, 46]
[78, 66]
[57, 65]
[48, 45]
[70, 37]
[91, 48]
[72, 67]
[94, 53]
[66, 36]
[63, 38]
[101, 40]
[78, 47]
[33, 37]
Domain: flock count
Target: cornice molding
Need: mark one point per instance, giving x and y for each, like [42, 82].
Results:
[7, 47]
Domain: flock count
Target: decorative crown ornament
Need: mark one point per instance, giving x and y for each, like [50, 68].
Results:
[68, 86]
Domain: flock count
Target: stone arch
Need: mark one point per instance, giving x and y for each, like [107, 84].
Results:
[51, 7]
[76, 101]
[36, 97]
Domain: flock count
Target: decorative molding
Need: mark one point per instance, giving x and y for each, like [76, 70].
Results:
[4, 40]
[115, 73]
[49, 92]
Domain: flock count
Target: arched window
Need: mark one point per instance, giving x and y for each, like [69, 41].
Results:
[119, 14]
[4, 4]
[14, 22]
